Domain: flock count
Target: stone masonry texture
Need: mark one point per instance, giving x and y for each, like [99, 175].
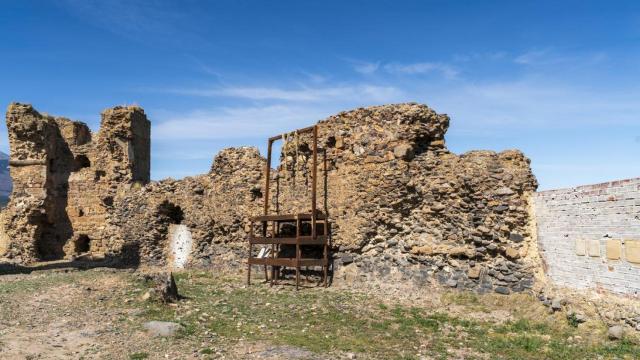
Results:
[65, 181]
[588, 235]
[401, 205]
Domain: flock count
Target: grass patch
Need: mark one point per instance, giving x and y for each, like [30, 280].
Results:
[139, 356]
[220, 312]
[329, 322]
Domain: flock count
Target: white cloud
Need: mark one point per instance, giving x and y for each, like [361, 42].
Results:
[481, 56]
[549, 56]
[366, 92]
[314, 78]
[532, 57]
[147, 21]
[535, 103]
[364, 67]
[368, 68]
[237, 123]
[489, 107]
[422, 68]
[280, 110]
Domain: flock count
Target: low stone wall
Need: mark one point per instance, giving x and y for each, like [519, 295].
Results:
[589, 236]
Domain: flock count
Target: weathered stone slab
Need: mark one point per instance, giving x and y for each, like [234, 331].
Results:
[632, 251]
[614, 249]
[581, 247]
[593, 248]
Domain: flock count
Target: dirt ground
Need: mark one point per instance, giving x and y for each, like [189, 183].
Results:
[99, 314]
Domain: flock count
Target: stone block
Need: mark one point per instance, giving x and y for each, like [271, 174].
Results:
[474, 272]
[632, 251]
[581, 248]
[593, 248]
[614, 249]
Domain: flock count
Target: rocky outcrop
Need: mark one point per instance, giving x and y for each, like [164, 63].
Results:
[401, 205]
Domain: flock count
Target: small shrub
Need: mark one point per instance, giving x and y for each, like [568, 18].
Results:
[206, 351]
[573, 320]
[138, 356]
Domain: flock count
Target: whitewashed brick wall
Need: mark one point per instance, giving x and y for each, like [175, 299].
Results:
[594, 212]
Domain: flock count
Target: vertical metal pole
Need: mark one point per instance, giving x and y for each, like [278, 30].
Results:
[313, 184]
[326, 216]
[273, 252]
[326, 249]
[249, 264]
[267, 175]
[298, 255]
[267, 182]
[249, 255]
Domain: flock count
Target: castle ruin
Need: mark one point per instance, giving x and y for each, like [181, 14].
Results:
[65, 181]
[402, 205]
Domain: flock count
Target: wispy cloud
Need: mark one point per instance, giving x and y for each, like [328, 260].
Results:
[204, 68]
[364, 67]
[313, 77]
[526, 103]
[364, 92]
[367, 68]
[550, 56]
[422, 68]
[237, 123]
[534, 57]
[493, 107]
[534, 100]
[278, 110]
[141, 21]
[481, 56]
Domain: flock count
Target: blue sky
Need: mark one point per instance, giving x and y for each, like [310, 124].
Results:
[558, 80]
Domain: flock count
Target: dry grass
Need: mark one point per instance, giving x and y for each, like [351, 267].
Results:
[223, 318]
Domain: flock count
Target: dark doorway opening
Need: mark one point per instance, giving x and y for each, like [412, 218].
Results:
[82, 244]
[81, 162]
[172, 212]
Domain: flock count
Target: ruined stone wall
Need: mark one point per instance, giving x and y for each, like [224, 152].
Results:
[401, 206]
[215, 208]
[589, 236]
[64, 183]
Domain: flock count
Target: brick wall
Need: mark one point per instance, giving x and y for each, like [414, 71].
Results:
[589, 236]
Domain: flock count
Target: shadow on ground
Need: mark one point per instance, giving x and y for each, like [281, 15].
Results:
[129, 258]
[77, 264]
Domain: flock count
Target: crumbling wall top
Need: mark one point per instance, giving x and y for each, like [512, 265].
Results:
[123, 144]
[231, 160]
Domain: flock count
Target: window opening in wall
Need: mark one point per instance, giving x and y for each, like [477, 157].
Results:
[171, 211]
[82, 244]
[81, 162]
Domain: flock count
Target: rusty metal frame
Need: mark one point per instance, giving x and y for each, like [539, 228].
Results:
[267, 173]
[275, 220]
